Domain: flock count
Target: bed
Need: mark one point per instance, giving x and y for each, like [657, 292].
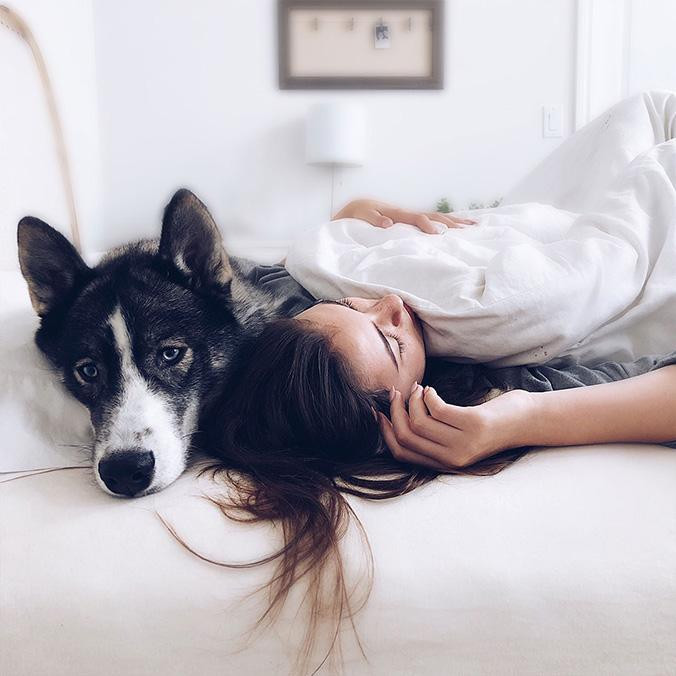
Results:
[563, 564]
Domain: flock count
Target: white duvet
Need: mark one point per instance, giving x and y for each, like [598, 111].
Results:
[580, 258]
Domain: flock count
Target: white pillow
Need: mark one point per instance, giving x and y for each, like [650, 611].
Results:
[41, 424]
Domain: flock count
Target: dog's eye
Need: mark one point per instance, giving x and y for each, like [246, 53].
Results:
[171, 355]
[88, 371]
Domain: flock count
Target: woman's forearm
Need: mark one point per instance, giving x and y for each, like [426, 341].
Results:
[640, 409]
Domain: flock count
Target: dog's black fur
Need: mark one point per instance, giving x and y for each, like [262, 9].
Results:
[146, 339]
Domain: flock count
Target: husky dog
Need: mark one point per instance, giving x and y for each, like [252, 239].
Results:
[146, 339]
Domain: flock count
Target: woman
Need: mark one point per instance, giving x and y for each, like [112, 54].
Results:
[338, 397]
[381, 342]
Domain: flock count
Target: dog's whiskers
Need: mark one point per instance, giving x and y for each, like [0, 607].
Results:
[45, 470]
[86, 447]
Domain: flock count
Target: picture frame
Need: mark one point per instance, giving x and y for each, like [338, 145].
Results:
[360, 44]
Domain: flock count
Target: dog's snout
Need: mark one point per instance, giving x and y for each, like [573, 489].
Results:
[127, 472]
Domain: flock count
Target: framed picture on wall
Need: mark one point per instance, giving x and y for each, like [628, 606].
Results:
[360, 44]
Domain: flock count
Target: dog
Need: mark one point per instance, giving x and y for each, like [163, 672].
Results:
[145, 339]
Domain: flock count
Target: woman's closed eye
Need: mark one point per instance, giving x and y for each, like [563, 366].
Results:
[346, 303]
[400, 344]
[401, 347]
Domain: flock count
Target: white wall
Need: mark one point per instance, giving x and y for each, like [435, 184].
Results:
[624, 47]
[188, 96]
[30, 181]
[651, 63]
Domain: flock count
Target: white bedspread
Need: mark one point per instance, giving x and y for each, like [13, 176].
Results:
[580, 259]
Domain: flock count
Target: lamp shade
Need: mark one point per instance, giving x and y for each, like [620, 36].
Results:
[335, 135]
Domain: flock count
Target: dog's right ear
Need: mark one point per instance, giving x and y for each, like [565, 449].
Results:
[49, 263]
[192, 243]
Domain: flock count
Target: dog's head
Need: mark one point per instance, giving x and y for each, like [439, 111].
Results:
[143, 339]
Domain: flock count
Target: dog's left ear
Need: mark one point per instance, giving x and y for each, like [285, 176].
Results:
[50, 264]
[192, 242]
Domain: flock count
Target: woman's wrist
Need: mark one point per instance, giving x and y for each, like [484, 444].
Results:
[518, 428]
[507, 422]
[537, 419]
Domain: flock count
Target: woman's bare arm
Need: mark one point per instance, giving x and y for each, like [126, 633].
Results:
[440, 435]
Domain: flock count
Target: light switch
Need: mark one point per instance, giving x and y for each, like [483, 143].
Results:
[552, 121]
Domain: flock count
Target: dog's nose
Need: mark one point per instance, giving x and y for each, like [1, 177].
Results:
[127, 472]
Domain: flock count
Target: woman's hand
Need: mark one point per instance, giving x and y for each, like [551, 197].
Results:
[383, 215]
[444, 437]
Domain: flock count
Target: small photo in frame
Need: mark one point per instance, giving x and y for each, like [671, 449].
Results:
[382, 35]
[361, 44]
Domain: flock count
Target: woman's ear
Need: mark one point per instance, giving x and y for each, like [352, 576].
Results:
[49, 263]
[192, 243]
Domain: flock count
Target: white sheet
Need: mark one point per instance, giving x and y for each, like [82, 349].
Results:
[580, 260]
[564, 564]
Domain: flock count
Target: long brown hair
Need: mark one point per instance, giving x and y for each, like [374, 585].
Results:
[298, 433]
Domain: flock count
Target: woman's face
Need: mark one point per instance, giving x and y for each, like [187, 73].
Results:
[381, 339]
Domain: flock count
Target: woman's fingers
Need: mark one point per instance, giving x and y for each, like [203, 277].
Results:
[402, 453]
[451, 221]
[423, 424]
[424, 222]
[466, 221]
[419, 443]
[443, 218]
[455, 416]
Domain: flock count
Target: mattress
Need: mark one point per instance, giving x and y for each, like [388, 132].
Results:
[565, 563]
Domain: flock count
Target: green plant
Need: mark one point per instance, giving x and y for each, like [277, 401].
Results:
[482, 205]
[443, 206]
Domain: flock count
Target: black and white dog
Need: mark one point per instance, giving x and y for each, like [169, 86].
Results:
[145, 339]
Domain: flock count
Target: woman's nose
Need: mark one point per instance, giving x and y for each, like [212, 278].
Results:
[390, 309]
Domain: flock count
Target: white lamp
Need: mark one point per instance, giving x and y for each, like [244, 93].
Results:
[335, 137]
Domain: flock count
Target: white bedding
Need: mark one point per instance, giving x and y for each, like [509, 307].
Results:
[563, 564]
[47, 427]
[580, 259]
